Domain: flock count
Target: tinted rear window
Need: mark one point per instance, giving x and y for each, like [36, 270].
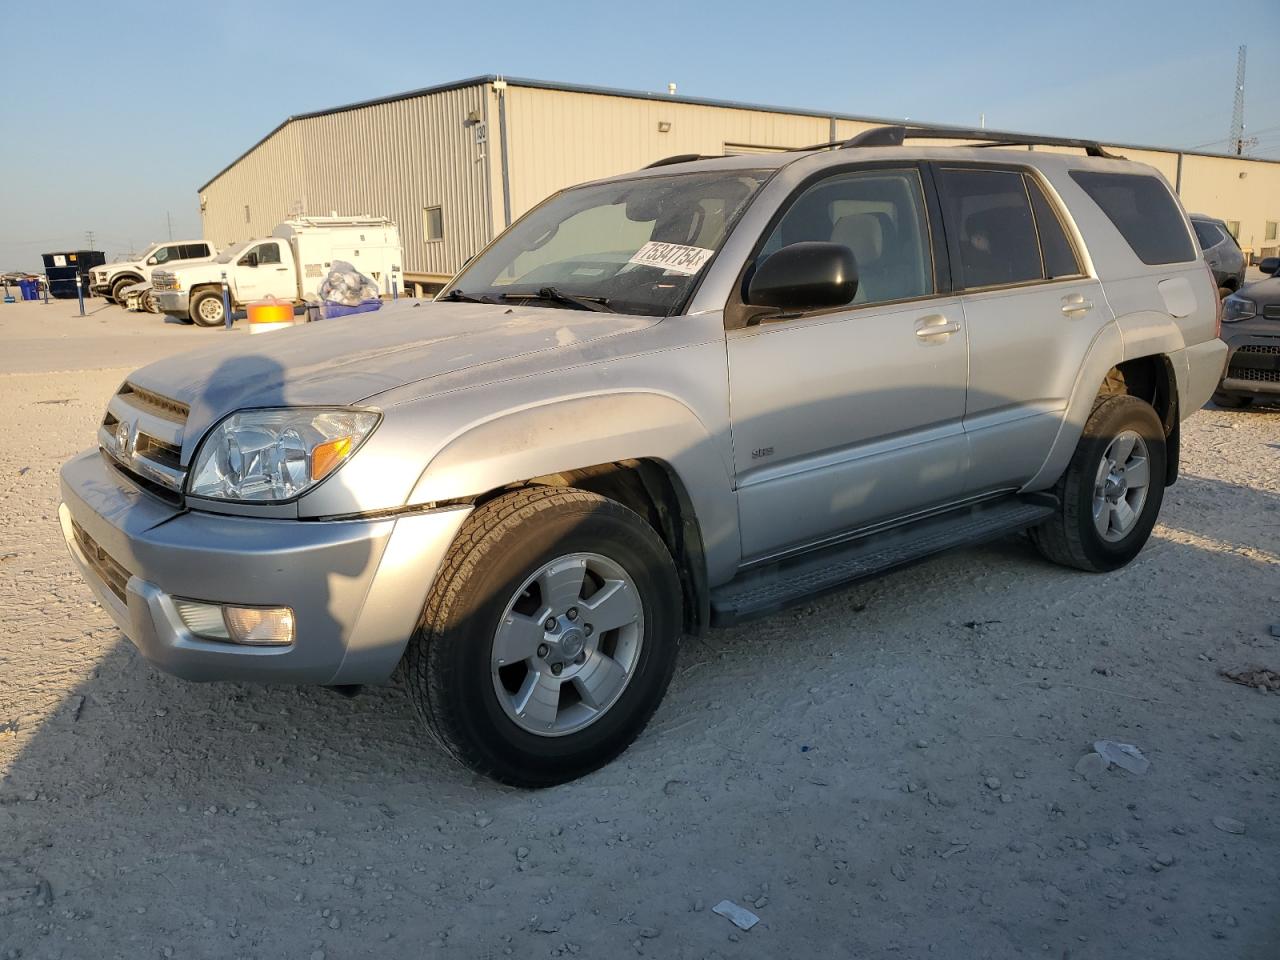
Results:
[997, 234]
[1059, 256]
[1143, 212]
[1207, 234]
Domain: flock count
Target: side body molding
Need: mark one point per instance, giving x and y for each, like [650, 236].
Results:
[569, 434]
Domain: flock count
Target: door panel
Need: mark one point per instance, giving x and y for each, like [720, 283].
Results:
[1024, 355]
[1029, 313]
[845, 420]
[850, 417]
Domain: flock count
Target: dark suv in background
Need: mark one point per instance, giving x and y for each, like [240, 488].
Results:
[1251, 328]
[1221, 252]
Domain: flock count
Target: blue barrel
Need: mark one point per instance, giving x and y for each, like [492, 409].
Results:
[28, 288]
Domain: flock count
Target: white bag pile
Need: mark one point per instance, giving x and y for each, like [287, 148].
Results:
[347, 286]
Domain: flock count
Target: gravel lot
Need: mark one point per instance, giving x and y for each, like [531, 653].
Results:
[889, 771]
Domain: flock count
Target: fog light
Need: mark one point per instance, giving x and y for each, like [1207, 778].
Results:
[259, 625]
[252, 626]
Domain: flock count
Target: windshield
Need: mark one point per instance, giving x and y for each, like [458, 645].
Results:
[233, 251]
[629, 246]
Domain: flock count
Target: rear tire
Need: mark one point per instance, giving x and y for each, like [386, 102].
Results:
[1231, 401]
[488, 641]
[1105, 514]
[207, 309]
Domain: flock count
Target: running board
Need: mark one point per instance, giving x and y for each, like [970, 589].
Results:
[765, 590]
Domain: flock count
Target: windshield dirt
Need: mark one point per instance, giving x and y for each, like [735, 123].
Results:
[630, 246]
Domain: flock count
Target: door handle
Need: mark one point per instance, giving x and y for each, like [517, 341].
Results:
[935, 325]
[1074, 304]
[281, 269]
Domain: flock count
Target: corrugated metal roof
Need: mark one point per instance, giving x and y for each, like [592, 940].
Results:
[671, 98]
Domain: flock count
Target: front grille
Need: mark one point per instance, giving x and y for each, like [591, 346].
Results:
[164, 281]
[142, 435]
[109, 572]
[1271, 311]
[1259, 348]
[154, 403]
[1257, 376]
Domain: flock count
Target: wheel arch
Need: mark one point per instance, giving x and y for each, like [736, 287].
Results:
[1140, 355]
[648, 451]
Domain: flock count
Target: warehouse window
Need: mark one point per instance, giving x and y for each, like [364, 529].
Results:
[432, 223]
[1233, 228]
[246, 213]
[1271, 229]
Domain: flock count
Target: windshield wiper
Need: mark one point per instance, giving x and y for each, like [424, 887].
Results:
[598, 304]
[457, 296]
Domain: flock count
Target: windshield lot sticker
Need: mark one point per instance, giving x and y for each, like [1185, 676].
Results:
[675, 257]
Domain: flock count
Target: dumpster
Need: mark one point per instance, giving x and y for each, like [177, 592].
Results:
[62, 269]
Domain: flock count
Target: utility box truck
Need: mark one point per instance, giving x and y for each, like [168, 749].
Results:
[289, 265]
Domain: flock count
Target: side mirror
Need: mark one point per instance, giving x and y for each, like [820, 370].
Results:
[1269, 265]
[805, 276]
[152, 261]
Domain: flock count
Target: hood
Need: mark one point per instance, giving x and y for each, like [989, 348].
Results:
[349, 360]
[119, 265]
[1262, 291]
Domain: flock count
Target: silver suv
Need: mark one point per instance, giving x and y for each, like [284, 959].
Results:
[660, 402]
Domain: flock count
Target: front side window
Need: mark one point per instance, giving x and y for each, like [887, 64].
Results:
[1143, 210]
[880, 216]
[268, 253]
[161, 255]
[990, 211]
[631, 246]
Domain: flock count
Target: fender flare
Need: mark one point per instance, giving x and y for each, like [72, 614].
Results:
[1130, 337]
[574, 433]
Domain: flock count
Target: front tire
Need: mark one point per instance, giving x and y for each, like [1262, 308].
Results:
[549, 638]
[1110, 495]
[207, 309]
[118, 288]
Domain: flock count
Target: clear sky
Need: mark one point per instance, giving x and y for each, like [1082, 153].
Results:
[115, 113]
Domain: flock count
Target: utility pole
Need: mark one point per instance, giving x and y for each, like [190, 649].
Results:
[1237, 111]
[89, 235]
[169, 220]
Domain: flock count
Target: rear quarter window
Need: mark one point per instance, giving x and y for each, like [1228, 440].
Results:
[1207, 234]
[1143, 211]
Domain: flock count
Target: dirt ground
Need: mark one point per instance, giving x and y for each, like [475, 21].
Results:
[887, 772]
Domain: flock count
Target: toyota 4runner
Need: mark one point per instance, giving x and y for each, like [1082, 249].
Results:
[668, 400]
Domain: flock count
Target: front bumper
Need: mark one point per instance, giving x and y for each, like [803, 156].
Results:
[174, 303]
[1253, 357]
[99, 289]
[357, 587]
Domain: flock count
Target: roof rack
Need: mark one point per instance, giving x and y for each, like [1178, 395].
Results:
[895, 135]
[680, 158]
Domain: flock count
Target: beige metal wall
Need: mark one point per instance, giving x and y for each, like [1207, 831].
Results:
[391, 159]
[1235, 190]
[396, 158]
[557, 138]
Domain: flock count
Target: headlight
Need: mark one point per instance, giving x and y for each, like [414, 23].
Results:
[274, 455]
[1238, 308]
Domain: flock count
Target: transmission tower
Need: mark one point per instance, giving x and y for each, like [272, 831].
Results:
[89, 236]
[1237, 111]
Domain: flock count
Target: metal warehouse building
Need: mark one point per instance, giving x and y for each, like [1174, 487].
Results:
[454, 164]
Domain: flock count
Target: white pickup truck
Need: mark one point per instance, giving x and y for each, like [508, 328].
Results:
[111, 279]
[291, 264]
